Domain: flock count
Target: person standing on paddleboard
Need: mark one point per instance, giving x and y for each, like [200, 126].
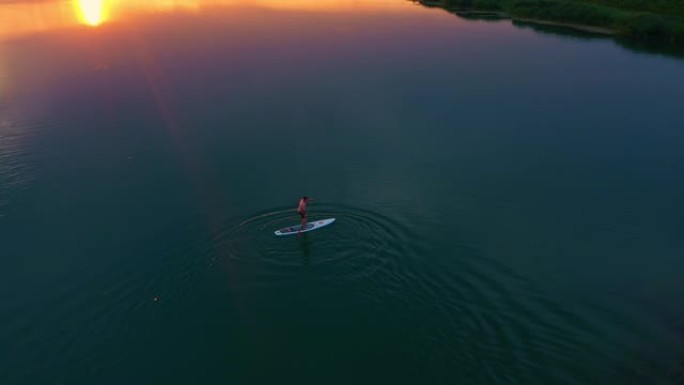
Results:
[301, 209]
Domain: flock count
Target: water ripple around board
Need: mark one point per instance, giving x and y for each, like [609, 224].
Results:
[358, 245]
[464, 306]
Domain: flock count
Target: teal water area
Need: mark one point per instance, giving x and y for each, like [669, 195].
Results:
[509, 204]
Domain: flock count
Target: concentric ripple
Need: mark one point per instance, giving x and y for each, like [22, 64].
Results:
[359, 244]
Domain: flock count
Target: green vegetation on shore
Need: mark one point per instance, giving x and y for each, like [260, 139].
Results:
[644, 20]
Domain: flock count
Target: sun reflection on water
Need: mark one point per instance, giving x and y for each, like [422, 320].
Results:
[24, 18]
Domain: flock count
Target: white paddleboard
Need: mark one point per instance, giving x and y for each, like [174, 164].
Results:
[313, 225]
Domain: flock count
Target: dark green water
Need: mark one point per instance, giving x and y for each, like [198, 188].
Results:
[509, 204]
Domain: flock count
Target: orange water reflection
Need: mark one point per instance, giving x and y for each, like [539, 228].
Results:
[23, 18]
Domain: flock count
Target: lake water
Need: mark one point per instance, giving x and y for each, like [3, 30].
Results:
[509, 203]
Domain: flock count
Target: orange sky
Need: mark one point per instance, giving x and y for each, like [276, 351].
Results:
[24, 18]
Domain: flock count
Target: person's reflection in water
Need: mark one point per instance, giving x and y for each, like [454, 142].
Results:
[305, 246]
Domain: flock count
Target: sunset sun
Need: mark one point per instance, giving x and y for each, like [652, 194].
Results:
[91, 12]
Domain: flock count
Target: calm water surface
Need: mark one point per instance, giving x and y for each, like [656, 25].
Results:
[509, 204]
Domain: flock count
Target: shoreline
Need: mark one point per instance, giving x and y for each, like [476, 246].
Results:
[656, 27]
[504, 16]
